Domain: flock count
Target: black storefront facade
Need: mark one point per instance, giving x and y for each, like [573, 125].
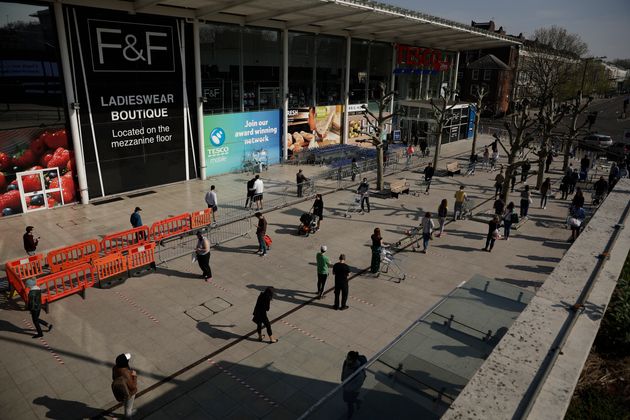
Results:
[147, 99]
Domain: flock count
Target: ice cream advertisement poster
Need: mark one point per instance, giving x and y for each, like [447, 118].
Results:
[233, 141]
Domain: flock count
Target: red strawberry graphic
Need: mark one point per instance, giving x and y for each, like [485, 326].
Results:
[60, 158]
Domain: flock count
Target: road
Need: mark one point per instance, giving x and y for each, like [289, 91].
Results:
[608, 112]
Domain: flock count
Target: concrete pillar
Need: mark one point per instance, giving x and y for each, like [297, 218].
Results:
[426, 92]
[75, 133]
[199, 94]
[285, 92]
[346, 90]
[455, 76]
[392, 83]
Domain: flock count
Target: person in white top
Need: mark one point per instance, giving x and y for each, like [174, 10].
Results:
[211, 201]
[427, 231]
[258, 192]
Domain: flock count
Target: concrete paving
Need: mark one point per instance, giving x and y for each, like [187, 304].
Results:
[193, 342]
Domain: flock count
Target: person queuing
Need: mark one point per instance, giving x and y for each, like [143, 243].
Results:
[125, 383]
[261, 231]
[493, 233]
[351, 389]
[34, 305]
[578, 198]
[526, 199]
[485, 163]
[427, 231]
[212, 202]
[258, 192]
[499, 206]
[494, 159]
[576, 219]
[364, 192]
[573, 180]
[564, 186]
[341, 271]
[202, 253]
[509, 218]
[249, 201]
[135, 219]
[377, 244]
[428, 176]
[585, 165]
[263, 304]
[30, 241]
[424, 148]
[442, 213]
[498, 184]
[548, 161]
[512, 181]
[318, 209]
[354, 169]
[460, 197]
[545, 192]
[525, 168]
[613, 177]
[300, 180]
[472, 164]
[601, 189]
[323, 265]
[410, 152]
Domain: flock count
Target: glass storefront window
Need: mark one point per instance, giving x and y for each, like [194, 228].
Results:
[220, 68]
[33, 137]
[262, 57]
[301, 63]
[380, 70]
[331, 53]
[359, 62]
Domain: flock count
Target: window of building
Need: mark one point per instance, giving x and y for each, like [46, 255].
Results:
[487, 74]
[331, 55]
[301, 62]
[262, 58]
[380, 72]
[460, 75]
[220, 68]
[359, 63]
[475, 74]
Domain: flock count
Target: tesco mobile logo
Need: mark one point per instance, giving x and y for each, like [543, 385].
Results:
[217, 137]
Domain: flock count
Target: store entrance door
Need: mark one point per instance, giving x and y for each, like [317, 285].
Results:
[40, 189]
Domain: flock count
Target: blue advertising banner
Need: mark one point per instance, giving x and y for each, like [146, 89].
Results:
[471, 121]
[244, 140]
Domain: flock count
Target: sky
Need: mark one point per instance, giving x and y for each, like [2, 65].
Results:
[603, 24]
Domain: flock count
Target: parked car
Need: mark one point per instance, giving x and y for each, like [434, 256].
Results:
[617, 150]
[596, 141]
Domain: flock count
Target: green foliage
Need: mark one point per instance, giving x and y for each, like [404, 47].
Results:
[614, 334]
[595, 403]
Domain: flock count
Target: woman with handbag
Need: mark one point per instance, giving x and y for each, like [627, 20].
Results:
[493, 233]
[377, 244]
[442, 213]
[509, 218]
[545, 191]
[263, 303]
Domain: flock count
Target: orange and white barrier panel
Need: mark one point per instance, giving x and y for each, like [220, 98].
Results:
[170, 227]
[141, 255]
[69, 256]
[64, 283]
[110, 265]
[18, 271]
[200, 218]
[121, 241]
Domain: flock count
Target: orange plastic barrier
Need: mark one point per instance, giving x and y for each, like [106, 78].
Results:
[110, 265]
[170, 227]
[121, 241]
[69, 256]
[64, 283]
[18, 271]
[200, 218]
[141, 255]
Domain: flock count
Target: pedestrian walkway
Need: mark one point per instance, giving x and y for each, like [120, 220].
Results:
[194, 344]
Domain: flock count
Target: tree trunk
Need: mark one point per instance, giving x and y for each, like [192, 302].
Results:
[508, 175]
[380, 169]
[474, 142]
[567, 150]
[438, 145]
[541, 167]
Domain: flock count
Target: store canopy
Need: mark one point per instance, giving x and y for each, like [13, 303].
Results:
[357, 18]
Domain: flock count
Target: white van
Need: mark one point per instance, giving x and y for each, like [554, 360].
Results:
[597, 141]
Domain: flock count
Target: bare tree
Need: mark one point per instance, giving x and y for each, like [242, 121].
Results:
[575, 109]
[378, 132]
[550, 65]
[520, 134]
[442, 113]
[480, 93]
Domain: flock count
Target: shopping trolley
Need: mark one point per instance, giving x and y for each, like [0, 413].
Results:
[355, 206]
[412, 235]
[388, 262]
[467, 209]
